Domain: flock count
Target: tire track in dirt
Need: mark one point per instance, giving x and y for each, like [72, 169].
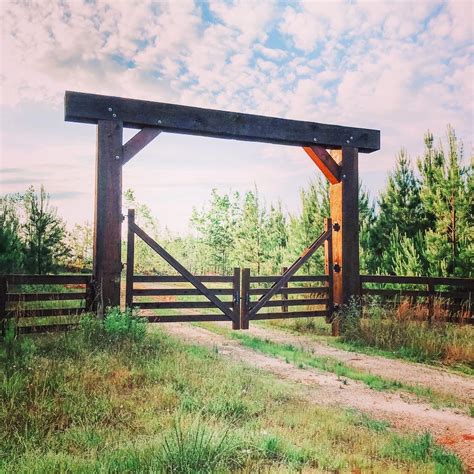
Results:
[410, 373]
[404, 412]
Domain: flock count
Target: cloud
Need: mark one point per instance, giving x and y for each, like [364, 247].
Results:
[401, 67]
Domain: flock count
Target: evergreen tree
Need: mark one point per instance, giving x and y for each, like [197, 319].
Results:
[276, 239]
[216, 226]
[400, 210]
[446, 193]
[44, 233]
[11, 246]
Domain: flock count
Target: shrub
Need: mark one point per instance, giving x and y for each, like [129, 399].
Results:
[118, 327]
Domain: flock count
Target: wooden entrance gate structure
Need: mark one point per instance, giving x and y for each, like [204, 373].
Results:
[333, 148]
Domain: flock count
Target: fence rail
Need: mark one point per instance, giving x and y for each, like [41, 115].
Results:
[45, 303]
[449, 299]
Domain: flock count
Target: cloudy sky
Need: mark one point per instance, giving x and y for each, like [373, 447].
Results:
[401, 67]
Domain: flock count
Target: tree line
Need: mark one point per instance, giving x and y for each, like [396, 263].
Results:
[420, 224]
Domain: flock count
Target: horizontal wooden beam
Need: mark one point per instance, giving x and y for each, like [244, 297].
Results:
[325, 162]
[90, 108]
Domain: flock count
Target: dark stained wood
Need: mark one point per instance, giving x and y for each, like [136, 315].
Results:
[245, 298]
[45, 313]
[138, 142]
[422, 280]
[108, 212]
[295, 278]
[14, 279]
[285, 278]
[3, 302]
[178, 304]
[292, 291]
[328, 268]
[291, 314]
[130, 259]
[90, 108]
[325, 162]
[180, 279]
[16, 297]
[295, 302]
[183, 271]
[236, 299]
[284, 294]
[186, 318]
[178, 291]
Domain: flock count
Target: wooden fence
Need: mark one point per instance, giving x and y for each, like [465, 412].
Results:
[45, 303]
[449, 299]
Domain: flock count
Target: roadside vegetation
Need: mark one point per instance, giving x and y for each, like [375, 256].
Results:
[115, 397]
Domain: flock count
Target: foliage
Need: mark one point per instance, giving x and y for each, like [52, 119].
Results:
[11, 245]
[73, 409]
[401, 331]
[117, 328]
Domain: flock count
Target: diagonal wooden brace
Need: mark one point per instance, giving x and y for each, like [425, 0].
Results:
[325, 162]
[285, 278]
[138, 142]
[183, 271]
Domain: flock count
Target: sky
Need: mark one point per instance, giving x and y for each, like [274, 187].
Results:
[397, 66]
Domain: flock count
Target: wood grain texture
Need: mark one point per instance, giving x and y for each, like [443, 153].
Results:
[138, 142]
[90, 108]
[325, 162]
[108, 212]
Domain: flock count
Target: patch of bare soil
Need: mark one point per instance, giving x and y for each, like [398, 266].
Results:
[410, 373]
[403, 411]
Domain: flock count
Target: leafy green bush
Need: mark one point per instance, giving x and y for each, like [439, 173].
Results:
[118, 327]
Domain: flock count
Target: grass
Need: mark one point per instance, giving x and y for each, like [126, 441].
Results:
[76, 403]
[302, 359]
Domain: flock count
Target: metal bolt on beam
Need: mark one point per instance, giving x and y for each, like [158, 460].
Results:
[110, 109]
[117, 157]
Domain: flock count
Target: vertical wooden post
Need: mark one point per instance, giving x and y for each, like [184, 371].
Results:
[108, 212]
[90, 296]
[245, 299]
[236, 298]
[431, 296]
[130, 259]
[344, 204]
[328, 269]
[3, 305]
[284, 294]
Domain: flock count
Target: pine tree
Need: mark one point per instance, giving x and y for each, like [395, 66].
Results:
[400, 210]
[11, 246]
[446, 193]
[276, 239]
[44, 233]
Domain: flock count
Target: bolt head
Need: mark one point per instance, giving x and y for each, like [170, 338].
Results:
[110, 109]
[352, 138]
[343, 176]
[117, 157]
[159, 122]
[114, 115]
[315, 139]
[348, 141]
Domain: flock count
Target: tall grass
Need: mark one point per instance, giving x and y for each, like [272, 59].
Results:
[89, 402]
[401, 331]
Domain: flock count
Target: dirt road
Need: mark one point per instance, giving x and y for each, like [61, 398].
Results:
[450, 427]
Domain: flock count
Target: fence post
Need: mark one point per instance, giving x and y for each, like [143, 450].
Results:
[130, 260]
[284, 294]
[236, 298]
[3, 305]
[431, 291]
[328, 270]
[245, 298]
[90, 296]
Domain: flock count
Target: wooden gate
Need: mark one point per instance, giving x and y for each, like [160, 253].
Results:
[220, 310]
[320, 296]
